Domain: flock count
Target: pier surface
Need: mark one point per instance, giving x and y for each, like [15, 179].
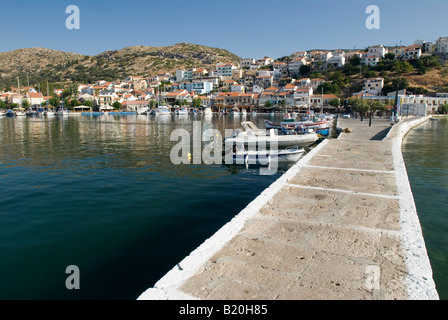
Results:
[341, 224]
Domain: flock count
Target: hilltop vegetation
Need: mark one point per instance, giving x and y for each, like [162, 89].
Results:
[419, 76]
[39, 64]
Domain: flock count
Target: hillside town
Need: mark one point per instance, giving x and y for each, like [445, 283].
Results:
[262, 84]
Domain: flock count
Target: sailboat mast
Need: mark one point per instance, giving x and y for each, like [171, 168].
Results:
[48, 96]
[18, 88]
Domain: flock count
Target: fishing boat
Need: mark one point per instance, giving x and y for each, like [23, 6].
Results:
[308, 124]
[182, 111]
[253, 135]
[142, 111]
[20, 112]
[31, 112]
[161, 110]
[265, 157]
[10, 113]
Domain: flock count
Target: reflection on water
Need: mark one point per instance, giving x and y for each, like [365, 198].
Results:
[100, 192]
[426, 156]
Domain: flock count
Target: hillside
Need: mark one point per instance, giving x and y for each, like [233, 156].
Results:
[41, 64]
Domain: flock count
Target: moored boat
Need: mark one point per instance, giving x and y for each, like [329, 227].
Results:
[253, 135]
[266, 157]
[182, 111]
[161, 110]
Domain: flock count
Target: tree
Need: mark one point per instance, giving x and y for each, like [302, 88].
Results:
[335, 103]
[359, 105]
[282, 104]
[71, 90]
[3, 104]
[54, 101]
[88, 103]
[304, 70]
[197, 102]
[268, 104]
[116, 105]
[402, 67]
[390, 56]
[25, 103]
[444, 108]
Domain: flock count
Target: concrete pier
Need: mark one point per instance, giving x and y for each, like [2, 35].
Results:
[341, 224]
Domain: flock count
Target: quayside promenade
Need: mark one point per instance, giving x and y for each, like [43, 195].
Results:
[341, 224]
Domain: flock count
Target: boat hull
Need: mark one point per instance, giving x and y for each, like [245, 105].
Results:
[302, 140]
[267, 157]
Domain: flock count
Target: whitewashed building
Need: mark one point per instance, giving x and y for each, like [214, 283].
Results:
[374, 86]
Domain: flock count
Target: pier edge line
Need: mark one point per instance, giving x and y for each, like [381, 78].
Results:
[419, 281]
[167, 287]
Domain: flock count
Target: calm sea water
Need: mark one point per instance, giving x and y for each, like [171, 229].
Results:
[101, 193]
[425, 151]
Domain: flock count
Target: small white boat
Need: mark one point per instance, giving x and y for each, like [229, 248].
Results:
[306, 124]
[253, 135]
[161, 110]
[62, 112]
[20, 113]
[2, 114]
[142, 111]
[182, 111]
[266, 157]
[244, 113]
[208, 111]
[235, 112]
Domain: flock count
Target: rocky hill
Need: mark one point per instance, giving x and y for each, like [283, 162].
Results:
[39, 64]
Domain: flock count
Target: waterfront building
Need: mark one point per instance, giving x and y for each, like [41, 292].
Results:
[35, 98]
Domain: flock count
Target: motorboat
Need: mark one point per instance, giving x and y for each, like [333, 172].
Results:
[20, 113]
[142, 111]
[325, 124]
[208, 111]
[31, 112]
[161, 110]
[235, 111]
[61, 112]
[253, 135]
[182, 111]
[265, 157]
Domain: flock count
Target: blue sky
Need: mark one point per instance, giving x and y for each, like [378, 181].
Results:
[247, 28]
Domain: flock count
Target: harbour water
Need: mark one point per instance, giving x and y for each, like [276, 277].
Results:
[101, 193]
[425, 154]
